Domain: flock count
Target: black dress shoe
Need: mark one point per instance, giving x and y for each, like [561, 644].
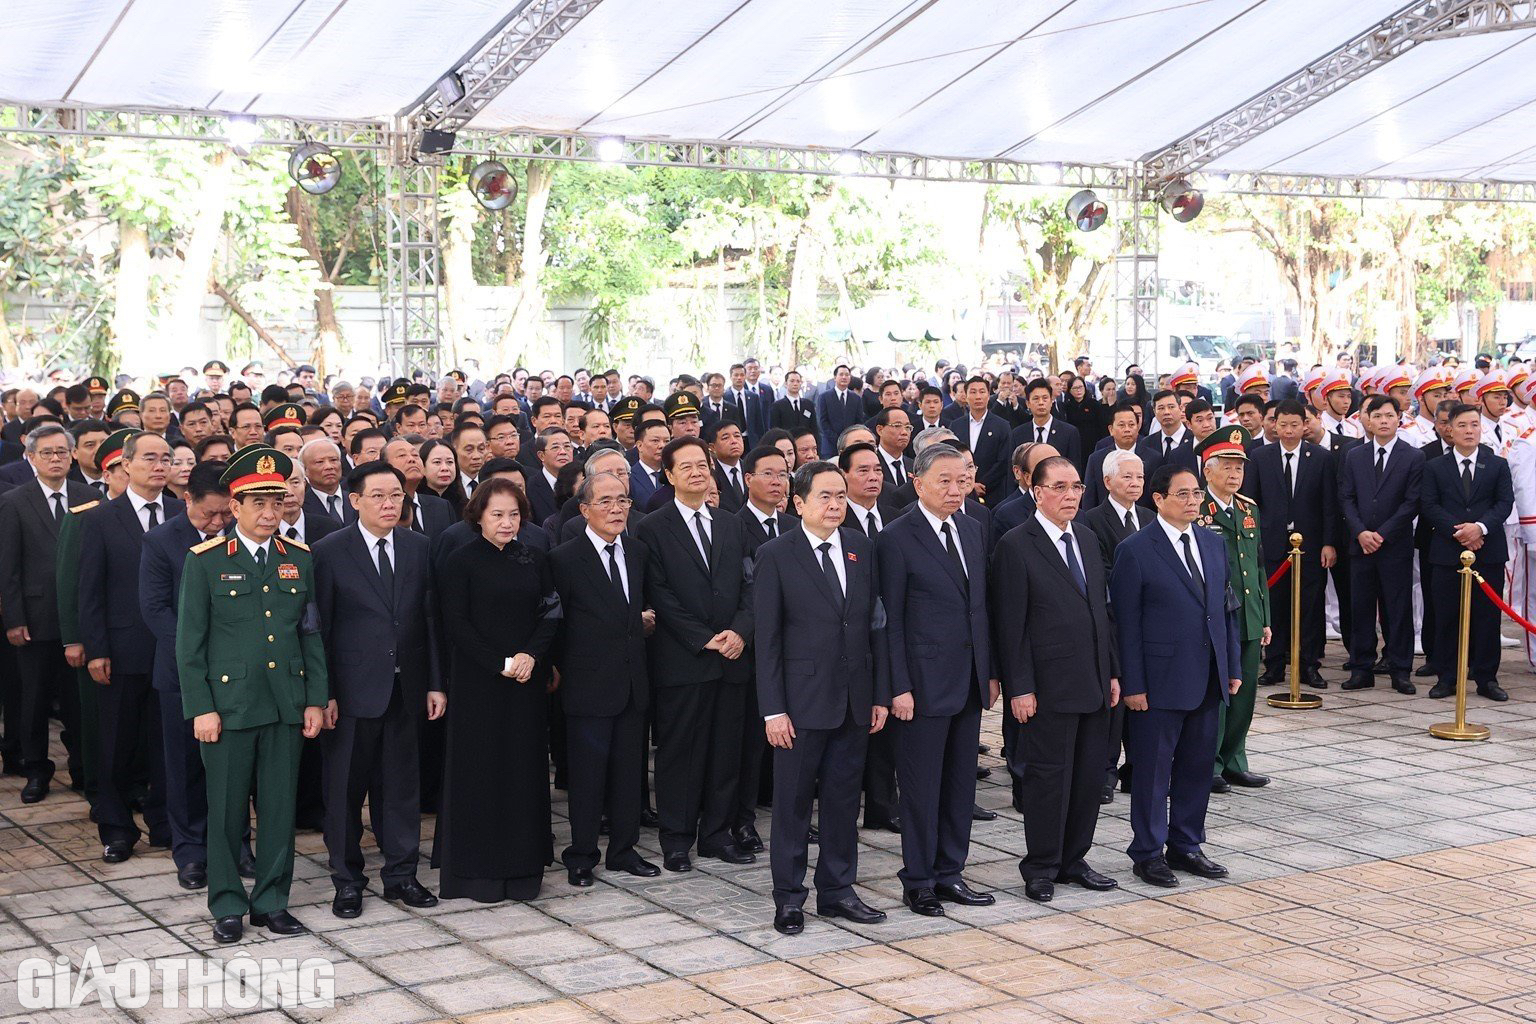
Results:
[1272, 678]
[1155, 872]
[1041, 890]
[894, 825]
[730, 853]
[637, 866]
[1196, 864]
[677, 862]
[1088, 879]
[278, 922]
[1124, 774]
[747, 838]
[412, 893]
[35, 789]
[1492, 690]
[1358, 681]
[964, 895]
[1107, 794]
[1402, 684]
[247, 866]
[581, 878]
[980, 813]
[1313, 678]
[116, 853]
[1426, 671]
[852, 908]
[813, 836]
[1442, 690]
[982, 748]
[1380, 668]
[923, 901]
[648, 818]
[228, 930]
[1247, 780]
[983, 773]
[192, 876]
[789, 920]
[1220, 785]
[348, 901]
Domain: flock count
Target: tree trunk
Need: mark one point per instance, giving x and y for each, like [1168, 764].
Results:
[327, 328]
[130, 317]
[191, 287]
[529, 307]
[459, 213]
[805, 275]
[250, 321]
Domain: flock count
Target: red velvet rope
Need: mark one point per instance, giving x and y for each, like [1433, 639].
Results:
[1506, 609]
[1285, 567]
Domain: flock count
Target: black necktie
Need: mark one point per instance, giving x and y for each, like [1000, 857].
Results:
[469, 488]
[334, 501]
[100, 485]
[1189, 560]
[1290, 479]
[698, 525]
[293, 533]
[1381, 462]
[771, 525]
[1339, 429]
[1130, 521]
[1466, 478]
[954, 552]
[825, 547]
[416, 517]
[614, 574]
[1498, 432]
[386, 570]
[874, 527]
[154, 515]
[897, 473]
[58, 506]
[261, 558]
[736, 480]
[794, 405]
[1167, 445]
[210, 536]
[1039, 435]
[1072, 563]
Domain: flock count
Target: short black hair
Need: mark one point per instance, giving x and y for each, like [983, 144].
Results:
[928, 389]
[89, 426]
[274, 393]
[363, 436]
[1290, 407]
[234, 416]
[845, 457]
[1197, 405]
[1165, 393]
[1036, 385]
[1377, 401]
[1457, 409]
[750, 460]
[1162, 478]
[677, 444]
[883, 417]
[360, 474]
[500, 465]
[1249, 399]
[205, 479]
[807, 474]
[542, 402]
[1126, 406]
[212, 441]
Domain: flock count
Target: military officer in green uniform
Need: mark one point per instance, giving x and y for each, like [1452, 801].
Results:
[254, 684]
[1224, 456]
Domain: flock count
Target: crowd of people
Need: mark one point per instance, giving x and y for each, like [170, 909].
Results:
[445, 597]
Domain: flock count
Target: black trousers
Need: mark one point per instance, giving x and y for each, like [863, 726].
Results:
[186, 783]
[10, 710]
[936, 771]
[309, 801]
[1277, 656]
[698, 762]
[1062, 780]
[606, 753]
[129, 712]
[824, 767]
[1115, 737]
[880, 801]
[754, 742]
[1483, 649]
[46, 679]
[1380, 583]
[376, 758]
[1171, 787]
[558, 752]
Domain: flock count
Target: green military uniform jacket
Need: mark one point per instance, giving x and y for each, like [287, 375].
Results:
[1239, 525]
[68, 574]
[247, 640]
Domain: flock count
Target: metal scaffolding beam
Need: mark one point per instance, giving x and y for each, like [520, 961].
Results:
[412, 264]
[183, 126]
[1136, 281]
[1414, 25]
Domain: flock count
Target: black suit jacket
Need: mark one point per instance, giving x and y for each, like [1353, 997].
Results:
[1445, 504]
[315, 506]
[1387, 507]
[541, 496]
[752, 529]
[694, 601]
[13, 474]
[111, 621]
[730, 501]
[601, 647]
[160, 566]
[754, 413]
[370, 633]
[834, 416]
[1062, 436]
[784, 417]
[1055, 641]
[885, 470]
[1312, 509]
[1151, 451]
[1105, 522]
[887, 507]
[991, 452]
[816, 649]
[29, 538]
[437, 514]
[727, 412]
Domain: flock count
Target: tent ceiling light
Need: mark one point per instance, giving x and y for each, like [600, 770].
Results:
[315, 168]
[492, 185]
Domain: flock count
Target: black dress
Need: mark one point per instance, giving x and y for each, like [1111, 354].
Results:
[493, 835]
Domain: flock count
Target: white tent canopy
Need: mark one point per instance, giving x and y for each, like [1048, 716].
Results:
[1101, 82]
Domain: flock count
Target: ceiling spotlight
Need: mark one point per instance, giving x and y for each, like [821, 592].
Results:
[1086, 211]
[492, 185]
[1215, 184]
[610, 149]
[849, 162]
[315, 168]
[450, 89]
[242, 131]
[1048, 174]
[1181, 199]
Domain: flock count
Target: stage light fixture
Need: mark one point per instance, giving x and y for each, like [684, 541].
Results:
[848, 162]
[1394, 190]
[492, 185]
[315, 168]
[1086, 210]
[435, 141]
[610, 149]
[1181, 200]
[1048, 174]
[242, 131]
[450, 89]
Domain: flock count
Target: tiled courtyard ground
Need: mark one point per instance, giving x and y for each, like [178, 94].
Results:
[1384, 876]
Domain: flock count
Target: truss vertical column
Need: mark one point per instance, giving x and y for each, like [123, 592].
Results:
[412, 273]
[1136, 284]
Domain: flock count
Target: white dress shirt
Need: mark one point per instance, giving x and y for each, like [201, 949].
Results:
[976, 426]
[48, 494]
[297, 526]
[1056, 533]
[1121, 510]
[467, 484]
[836, 553]
[251, 546]
[862, 514]
[763, 517]
[1162, 439]
[938, 530]
[1174, 535]
[1036, 429]
[141, 507]
[372, 540]
[618, 555]
[690, 516]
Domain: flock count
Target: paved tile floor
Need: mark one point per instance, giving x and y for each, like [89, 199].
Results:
[1384, 876]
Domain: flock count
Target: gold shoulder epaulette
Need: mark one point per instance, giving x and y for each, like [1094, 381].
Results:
[296, 543]
[207, 545]
[87, 506]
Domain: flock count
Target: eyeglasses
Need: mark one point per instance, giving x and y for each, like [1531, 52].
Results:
[52, 453]
[609, 504]
[1077, 488]
[383, 498]
[154, 460]
[1194, 495]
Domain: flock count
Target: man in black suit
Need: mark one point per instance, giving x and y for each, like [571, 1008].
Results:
[429, 514]
[119, 648]
[377, 600]
[821, 692]
[697, 581]
[30, 516]
[1294, 483]
[1379, 492]
[1467, 495]
[893, 432]
[749, 402]
[1423, 534]
[1124, 433]
[1019, 505]
[933, 576]
[713, 407]
[726, 444]
[794, 409]
[321, 459]
[1170, 442]
[1057, 660]
[985, 435]
[553, 449]
[837, 409]
[1044, 428]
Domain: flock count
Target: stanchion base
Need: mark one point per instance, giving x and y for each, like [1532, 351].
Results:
[1452, 731]
[1303, 701]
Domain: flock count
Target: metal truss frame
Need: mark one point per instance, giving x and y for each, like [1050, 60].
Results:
[1372, 188]
[1414, 25]
[412, 264]
[183, 126]
[1135, 279]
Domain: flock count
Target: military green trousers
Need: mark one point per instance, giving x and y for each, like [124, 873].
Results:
[1236, 716]
[268, 757]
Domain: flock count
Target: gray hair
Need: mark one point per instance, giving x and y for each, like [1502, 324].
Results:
[43, 430]
[1117, 458]
[589, 484]
[131, 444]
[931, 454]
[315, 444]
[842, 439]
[606, 453]
[931, 435]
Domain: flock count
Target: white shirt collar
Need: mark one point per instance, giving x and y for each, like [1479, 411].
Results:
[1046, 426]
[1289, 451]
[762, 517]
[1177, 435]
[139, 503]
[602, 547]
[1052, 530]
[551, 479]
[372, 540]
[1120, 510]
[688, 513]
[1174, 533]
[835, 540]
[251, 546]
[283, 526]
[937, 523]
[1385, 447]
[49, 492]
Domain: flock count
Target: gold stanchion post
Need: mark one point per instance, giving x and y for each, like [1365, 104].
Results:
[1460, 729]
[1295, 700]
